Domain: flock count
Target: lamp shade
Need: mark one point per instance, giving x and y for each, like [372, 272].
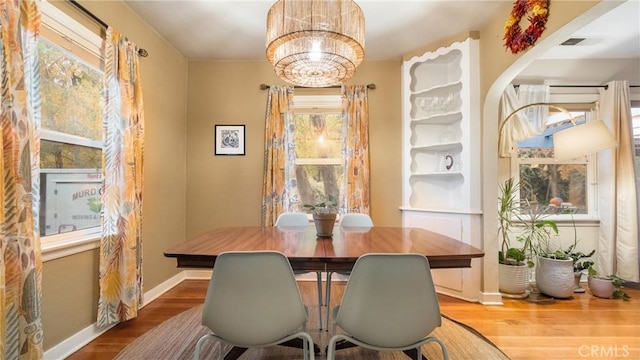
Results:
[583, 139]
[315, 43]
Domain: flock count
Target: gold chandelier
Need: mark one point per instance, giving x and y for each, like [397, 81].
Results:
[315, 43]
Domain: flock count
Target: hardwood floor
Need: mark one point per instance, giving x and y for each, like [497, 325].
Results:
[584, 327]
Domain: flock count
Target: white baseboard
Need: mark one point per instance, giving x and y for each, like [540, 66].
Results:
[74, 343]
[491, 298]
[88, 334]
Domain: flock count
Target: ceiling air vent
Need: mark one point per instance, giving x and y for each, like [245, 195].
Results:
[572, 41]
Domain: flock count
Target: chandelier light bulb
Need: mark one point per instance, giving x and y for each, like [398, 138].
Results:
[315, 54]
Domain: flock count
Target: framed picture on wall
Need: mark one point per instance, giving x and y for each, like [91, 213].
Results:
[229, 139]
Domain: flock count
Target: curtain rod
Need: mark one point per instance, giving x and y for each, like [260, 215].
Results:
[582, 86]
[142, 52]
[369, 86]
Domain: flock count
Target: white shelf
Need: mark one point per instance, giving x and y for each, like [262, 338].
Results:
[444, 118]
[452, 146]
[438, 174]
[439, 89]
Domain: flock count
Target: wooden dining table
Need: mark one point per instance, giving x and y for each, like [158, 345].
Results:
[306, 251]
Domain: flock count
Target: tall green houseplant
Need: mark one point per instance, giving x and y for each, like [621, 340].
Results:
[513, 271]
[508, 205]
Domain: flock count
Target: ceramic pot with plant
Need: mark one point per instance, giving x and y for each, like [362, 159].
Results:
[580, 265]
[513, 267]
[324, 216]
[534, 232]
[554, 277]
[606, 287]
[555, 274]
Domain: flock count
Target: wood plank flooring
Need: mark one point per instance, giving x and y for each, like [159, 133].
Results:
[584, 327]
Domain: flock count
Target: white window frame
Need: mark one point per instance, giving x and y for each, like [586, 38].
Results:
[591, 182]
[60, 245]
[313, 104]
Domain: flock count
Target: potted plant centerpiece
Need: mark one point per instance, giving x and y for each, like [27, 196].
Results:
[324, 216]
[514, 262]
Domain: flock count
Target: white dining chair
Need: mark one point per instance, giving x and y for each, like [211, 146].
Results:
[389, 304]
[298, 220]
[355, 220]
[253, 301]
[292, 219]
[348, 222]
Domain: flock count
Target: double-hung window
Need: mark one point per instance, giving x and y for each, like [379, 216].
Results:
[318, 128]
[71, 88]
[552, 187]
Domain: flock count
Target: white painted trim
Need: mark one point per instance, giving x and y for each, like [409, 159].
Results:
[487, 298]
[64, 24]
[197, 274]
[317, 101]
[165, 286]
[52, 250]
[74, 343]
[57, 136]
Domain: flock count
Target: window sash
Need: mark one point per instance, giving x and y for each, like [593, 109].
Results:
[66, 138]
[86, 45]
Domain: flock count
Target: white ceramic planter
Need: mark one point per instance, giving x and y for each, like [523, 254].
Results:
[602, 288]
[513, 279]
[555, 277]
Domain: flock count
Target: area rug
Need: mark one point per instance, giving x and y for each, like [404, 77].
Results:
[175, 339]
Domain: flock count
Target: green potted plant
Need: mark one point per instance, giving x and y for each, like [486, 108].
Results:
[555, 279]
[513, 267]
[324, 215]
[606, 287]
[555, 275]
[580, 265]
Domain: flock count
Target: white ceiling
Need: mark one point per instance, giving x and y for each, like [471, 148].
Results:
[217, 29]
[614, 35]
[235, 30]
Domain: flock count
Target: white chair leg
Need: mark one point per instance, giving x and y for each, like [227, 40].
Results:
[331, 347]
[328, 298]
[305, 348]
[445, 352]
[196, 353]
[308, 347]
[319, 281]
[419, 353]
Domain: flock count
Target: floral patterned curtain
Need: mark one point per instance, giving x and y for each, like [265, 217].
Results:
[20, 257]
[278, 187]
[121, 244]
[355, 149]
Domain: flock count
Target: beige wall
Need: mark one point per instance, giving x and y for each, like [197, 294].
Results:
[227, 190]
[70, 287]
[188, 190]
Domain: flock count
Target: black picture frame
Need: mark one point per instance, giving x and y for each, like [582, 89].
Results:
[229, 140]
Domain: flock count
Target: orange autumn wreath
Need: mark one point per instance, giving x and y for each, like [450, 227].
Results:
[517, 40]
